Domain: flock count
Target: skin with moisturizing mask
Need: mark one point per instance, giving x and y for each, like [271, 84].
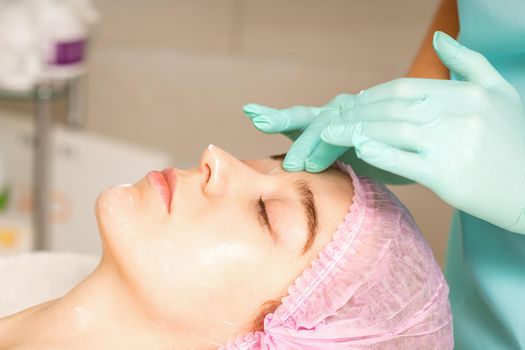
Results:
[124, 197]
[83, 318]
[197, 274]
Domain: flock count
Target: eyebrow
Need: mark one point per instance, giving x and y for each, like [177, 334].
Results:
[278, 156]
[308, 202]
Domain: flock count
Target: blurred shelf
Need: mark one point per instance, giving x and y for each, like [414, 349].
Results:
[58, 90]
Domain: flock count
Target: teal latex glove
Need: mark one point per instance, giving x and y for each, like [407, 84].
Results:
[304, 125]
[465, 140]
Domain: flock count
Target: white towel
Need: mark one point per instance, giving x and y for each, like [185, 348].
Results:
[32, 278]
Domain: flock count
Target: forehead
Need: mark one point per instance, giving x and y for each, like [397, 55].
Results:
[329, 181]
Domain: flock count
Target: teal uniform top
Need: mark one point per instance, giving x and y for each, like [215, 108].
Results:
[485, 263]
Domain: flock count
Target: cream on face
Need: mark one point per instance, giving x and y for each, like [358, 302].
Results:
[219, 253]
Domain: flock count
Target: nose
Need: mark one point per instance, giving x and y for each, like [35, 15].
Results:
[220, 169]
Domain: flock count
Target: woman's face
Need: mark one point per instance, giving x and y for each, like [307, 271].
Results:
[236, 234]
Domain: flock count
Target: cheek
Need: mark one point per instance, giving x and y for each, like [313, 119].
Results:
[129, 225]
[197, 258]
[236, 266]
[217, 241]
[229, 273]
[205, 274]
[232, 253]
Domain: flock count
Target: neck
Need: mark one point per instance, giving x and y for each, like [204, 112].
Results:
[98, 313]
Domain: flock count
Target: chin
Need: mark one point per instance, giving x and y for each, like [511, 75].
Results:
[116, 209]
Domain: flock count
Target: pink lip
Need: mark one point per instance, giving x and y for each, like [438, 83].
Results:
[164, 182]
[171, 176]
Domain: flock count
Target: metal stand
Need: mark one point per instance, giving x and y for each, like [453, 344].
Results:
[73, 90]
[75, 102]
[41, 159]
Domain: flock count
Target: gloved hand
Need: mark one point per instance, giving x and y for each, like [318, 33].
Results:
[465, 140]
[304, 126]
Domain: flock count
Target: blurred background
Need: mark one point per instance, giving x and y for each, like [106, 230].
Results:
[164, 78]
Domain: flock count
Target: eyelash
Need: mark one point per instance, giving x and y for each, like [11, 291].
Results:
[263, 213]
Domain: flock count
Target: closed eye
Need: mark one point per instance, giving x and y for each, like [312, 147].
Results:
[263, 214]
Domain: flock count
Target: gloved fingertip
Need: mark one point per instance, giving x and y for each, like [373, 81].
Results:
[292, 167]
[359, 139]
[313, 166]
[261, 123]
[253, 110]
[370, 150]
[293, 164]
[358, 152]
[441, 41]
[437, 33]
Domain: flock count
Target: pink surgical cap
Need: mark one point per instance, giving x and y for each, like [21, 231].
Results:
[376, 285]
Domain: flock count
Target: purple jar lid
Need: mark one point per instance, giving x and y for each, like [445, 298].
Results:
[70, 52]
